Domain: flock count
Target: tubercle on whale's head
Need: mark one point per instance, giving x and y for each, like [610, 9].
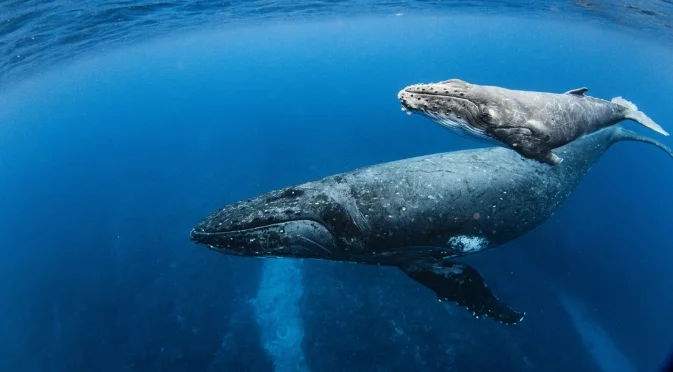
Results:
[454, 104]
[291, 222]
[419, 97]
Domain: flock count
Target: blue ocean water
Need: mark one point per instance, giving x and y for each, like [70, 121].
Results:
[114, 143]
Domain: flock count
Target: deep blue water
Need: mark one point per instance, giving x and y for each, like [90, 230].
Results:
[109, 159]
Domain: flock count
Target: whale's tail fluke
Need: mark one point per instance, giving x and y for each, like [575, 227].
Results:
[638, 116]
[621, 134]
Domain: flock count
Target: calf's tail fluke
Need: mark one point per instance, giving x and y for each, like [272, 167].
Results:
[638, 116]
[622, 134]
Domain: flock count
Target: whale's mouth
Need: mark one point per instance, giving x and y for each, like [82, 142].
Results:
[202, 236]
[293, 238]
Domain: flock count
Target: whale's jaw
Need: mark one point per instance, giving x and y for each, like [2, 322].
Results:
[293, 239]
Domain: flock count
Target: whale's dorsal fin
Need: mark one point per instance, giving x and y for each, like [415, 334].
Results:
[578, 91]
[460, 283]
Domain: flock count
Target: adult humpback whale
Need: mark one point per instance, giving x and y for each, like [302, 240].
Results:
[415, 214]
[531, 123]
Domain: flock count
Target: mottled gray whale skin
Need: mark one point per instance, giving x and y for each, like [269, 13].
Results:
[415, 214]
[531, 123]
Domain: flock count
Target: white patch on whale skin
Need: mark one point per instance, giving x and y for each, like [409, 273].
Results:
[468, 243]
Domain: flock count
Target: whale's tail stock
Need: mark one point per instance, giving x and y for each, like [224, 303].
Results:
[634, 114]
[621, 134]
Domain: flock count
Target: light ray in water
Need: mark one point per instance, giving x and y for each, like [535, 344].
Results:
[278, 314]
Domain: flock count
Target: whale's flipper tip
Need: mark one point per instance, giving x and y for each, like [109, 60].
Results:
[462, 284]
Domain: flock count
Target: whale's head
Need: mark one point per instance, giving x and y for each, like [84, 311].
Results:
[454, 104]
[293, 222]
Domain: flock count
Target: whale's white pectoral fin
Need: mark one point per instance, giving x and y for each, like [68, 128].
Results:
[462, 284]
[578, 91]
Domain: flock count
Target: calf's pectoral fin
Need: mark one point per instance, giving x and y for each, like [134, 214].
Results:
[530, 142]
[543, 155]
[462, 284]
[550, 158]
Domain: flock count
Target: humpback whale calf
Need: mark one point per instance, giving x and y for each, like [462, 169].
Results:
[531, 123]
[417, 214]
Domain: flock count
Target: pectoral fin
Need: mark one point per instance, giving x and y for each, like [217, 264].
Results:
[578, 91]
[460, 283]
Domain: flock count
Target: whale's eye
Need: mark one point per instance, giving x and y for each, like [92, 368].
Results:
[290, 193]
[485, 117]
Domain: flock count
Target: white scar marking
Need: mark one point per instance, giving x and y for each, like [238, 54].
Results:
[316, 243]
[362, 216]
[468, 243]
